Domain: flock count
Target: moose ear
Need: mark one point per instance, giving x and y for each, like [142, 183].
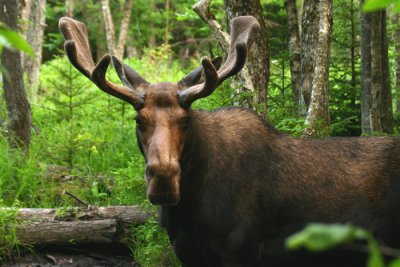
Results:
[128, 76]
[197, 75]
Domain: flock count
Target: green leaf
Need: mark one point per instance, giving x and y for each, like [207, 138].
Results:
[13, 40]
[375, 257]
[396, 8]
[372, 5]
[320, 237]
[395, 263]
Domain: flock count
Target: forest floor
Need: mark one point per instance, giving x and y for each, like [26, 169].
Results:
[72, 256]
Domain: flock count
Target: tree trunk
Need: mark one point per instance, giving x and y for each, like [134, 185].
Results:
[295, 53]
[69, 8]
[309, 38]
[34, 30]
[376, 98]
[258, 58]
[109, 26]
[123, 32]
[119, 48]
[381, 96]
[167, 22]
[202, 8]
[317, 120]
[365, 35]
[395, 17]
[97, 225]
[353, 60]
[18, 107]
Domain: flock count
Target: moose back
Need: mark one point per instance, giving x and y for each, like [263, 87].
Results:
[231, 187]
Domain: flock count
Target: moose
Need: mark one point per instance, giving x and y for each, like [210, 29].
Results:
[230, 186]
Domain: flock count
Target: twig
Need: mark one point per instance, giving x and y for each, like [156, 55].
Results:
[65, 192]
[385, 250]
[202, 8]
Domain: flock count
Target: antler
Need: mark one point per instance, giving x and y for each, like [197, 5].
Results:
[244, 30]
[78, 51]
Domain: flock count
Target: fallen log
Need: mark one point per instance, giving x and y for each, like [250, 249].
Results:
[101, 225]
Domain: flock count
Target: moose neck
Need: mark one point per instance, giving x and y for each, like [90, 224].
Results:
[196, 152]
[215, 139]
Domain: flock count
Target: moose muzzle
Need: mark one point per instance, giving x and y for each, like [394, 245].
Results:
[163, 183]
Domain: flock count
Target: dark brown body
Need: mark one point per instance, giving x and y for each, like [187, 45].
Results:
[232, 188]
[245, 188]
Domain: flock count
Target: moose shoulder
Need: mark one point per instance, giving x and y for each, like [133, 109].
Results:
[231, 187]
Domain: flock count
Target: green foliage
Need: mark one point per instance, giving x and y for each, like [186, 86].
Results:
[151, 247]
[12, 40]
[293, 126]
[8, 237]
[372, 5]
[321, 237]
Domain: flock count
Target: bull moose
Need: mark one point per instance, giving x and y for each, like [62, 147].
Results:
[231, 187]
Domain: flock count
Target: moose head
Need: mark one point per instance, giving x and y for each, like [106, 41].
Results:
[163, 109]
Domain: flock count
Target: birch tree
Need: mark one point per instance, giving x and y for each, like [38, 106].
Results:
[317, 23]
[395, 19]
[69, 8]
[33, 17]
[116, 47]
[258, 60]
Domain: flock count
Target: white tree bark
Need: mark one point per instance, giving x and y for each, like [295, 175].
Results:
[33, 16]
[395, 18]
[69, 8]
[317, 119]
[202, 8]
[118, 48]
[109, 26]
[123, 32]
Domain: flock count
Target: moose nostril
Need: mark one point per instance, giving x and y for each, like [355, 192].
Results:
[162, 170]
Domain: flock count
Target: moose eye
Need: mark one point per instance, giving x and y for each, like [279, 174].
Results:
[139, 124]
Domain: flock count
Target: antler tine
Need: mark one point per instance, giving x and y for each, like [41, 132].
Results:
[244, 31]
[78, 51]
[77, 45]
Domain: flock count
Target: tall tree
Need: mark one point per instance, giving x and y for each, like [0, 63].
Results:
[18, 107]
[69, 8]
[116, 48]
[202, 8]
[295, 52]
[365, 36]
[395, 18]
[376, 99]
[381, 95]
[258, 60]
[316, 40]
[33, 16]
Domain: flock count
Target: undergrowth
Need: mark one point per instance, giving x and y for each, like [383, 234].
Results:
[83, 141]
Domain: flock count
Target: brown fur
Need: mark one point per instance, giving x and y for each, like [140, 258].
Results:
[245, 187]
[231, 187]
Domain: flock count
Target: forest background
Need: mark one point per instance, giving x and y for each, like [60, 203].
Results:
[318, 68]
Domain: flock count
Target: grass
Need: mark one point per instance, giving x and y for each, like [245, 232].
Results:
[83, 142]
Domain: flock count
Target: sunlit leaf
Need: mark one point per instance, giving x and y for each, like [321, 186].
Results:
[375, 257]
[13, 40]
[397, 7]
[395, 263]
[372, 5]
[320, 237]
